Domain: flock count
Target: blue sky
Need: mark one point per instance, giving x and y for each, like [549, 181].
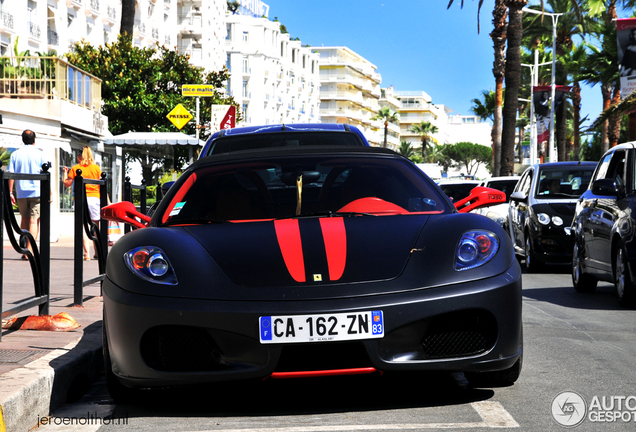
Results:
[415, 44]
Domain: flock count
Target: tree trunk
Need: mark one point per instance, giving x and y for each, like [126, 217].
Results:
[127, 18]
[614, 122]
[513, 82]
[498, 36]
[576, 106]
[386, 133]
[561, 131]
[606, 91]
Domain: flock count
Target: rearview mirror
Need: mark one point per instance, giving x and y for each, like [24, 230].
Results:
[125, 212]
[605, 187]
[480, 197]
[518, 196]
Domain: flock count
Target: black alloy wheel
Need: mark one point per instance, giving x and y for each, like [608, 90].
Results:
[625, 290]
[582, 282]
[532, 264]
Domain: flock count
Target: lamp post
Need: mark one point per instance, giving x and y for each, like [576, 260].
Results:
[534, 81]
[552, 153]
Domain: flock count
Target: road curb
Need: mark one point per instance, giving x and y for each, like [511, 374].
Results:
[32, 392]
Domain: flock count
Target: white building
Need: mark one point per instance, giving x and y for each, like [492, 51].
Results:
[275, 79]
[350, 91]
[468, 129]
[415, 108]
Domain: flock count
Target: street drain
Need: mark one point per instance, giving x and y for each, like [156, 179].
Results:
[9, 356]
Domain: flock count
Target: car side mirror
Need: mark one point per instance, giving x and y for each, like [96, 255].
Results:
[605, 187]
[480, 197]
[518, 196]
[125, 212]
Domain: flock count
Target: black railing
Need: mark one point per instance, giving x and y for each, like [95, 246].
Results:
[39, 258]
[98, 234]
[128, 196]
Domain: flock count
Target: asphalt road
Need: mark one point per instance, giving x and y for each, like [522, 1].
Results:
[579, 343]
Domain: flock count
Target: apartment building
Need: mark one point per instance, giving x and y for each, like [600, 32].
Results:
[415, 108]
[274, 78]
[350, 91]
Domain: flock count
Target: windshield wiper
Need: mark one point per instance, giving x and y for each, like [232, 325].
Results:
[330, 213]
[193, 221]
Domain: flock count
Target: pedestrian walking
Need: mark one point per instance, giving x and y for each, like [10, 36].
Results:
[90, 170]
[27, 160]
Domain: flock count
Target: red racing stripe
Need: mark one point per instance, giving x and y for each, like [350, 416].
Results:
[288, 235]
[335, 238]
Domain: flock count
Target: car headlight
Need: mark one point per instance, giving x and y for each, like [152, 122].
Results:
[475, 248]
[544, 219]
[496, 217]
[150, 263]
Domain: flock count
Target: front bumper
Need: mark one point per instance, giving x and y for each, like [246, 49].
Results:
[158, 341]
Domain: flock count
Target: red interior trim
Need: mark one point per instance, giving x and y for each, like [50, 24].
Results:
[335, 238]
[291, 247]
[179, 196]
[323, 373]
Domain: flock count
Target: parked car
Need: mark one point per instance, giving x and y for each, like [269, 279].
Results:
[283, 135]
[308, 261]
[603, 227]
[541, 210]
[499, 212]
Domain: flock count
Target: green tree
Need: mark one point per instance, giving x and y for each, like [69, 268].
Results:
[486, 109]
[469, 155]
[406, 149]
[425, 130]
[387, 116]
[140, 86]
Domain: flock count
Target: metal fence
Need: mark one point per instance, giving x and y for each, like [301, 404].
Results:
[39, 258]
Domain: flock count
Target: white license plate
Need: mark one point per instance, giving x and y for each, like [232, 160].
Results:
[321, 328]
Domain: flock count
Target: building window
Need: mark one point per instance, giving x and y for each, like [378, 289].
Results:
[245, 94]
[246, 37]
[246, 66]
[228, 36]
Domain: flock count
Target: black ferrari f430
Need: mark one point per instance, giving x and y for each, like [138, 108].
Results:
[309, 261]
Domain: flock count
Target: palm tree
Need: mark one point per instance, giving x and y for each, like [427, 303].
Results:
[512, 74]
[388, 116]
[127, 18]
[485, 109]
[425, 130]
[405, 149]
[570, 25]
[498, 36]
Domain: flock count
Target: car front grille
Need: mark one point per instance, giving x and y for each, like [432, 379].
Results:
[180, 349]
[322, 356]
[459, 334]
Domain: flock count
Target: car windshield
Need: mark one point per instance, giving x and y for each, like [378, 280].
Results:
[288, 139]
[506, 186]
[301, 187]
[563, 182]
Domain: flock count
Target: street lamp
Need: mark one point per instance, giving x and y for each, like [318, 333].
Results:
[534, 81]
[555, 18]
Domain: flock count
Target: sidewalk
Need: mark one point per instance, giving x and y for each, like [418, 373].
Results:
[41, 370]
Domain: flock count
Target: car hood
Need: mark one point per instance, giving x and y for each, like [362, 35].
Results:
[310, 258]
[330, 250]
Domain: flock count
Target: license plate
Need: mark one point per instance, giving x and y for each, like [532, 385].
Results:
[321, 328]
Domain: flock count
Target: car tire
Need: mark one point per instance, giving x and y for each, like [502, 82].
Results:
[532, 265]
[582, 282]
[502, 378]
[625, 290]
[119, 392]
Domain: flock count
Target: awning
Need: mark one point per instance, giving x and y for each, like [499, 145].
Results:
[41, 141]
[153, 138]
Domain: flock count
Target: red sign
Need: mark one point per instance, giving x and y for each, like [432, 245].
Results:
[229, 119]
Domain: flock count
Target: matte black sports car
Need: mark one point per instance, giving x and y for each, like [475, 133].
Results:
[309, 261]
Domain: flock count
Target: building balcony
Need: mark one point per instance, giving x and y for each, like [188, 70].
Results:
[50, 87]
[34, 31]
[6, 23]
[92, 8]
[191, 24]
[75, 4]
[111, 16]
[52, 38]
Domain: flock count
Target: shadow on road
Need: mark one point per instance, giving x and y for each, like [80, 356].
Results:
[308, 396]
